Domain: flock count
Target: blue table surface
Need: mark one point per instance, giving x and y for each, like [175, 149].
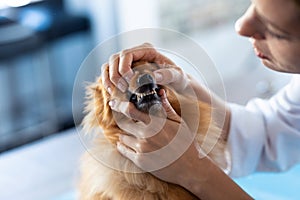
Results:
[261, 186]
[274, 186]
[51, 173]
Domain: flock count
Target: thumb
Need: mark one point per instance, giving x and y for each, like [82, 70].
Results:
[174, 77]
[170, 112]
[166, 76]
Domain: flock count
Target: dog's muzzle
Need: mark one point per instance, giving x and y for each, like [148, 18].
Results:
[146, 95]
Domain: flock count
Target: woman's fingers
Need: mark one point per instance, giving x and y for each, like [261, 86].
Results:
[168, 75]
[170, 112]
[131, 142]
[126, 151]
[116, 78]
[148, 123]
[108, 85]
[144, 52]
[120, 64]
[125, 65]
[129, 110]
[173, 76]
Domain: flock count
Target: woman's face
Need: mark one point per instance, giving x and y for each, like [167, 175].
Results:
[273, 27]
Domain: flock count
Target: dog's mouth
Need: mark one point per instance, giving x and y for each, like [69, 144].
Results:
[146, 96]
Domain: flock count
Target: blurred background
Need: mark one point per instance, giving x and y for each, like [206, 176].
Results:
[42, 46]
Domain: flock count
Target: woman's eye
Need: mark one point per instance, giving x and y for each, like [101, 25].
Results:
[278, 36]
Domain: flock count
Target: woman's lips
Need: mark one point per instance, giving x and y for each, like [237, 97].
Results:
[257, 50]
[259, 53]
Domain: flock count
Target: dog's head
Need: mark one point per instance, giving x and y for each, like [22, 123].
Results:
[142, 92]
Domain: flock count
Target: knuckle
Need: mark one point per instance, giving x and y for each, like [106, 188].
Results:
[138, 160]
[176, 74]
[147, 44]
[149, 47]
[124, 52]
[113, 57]
[114, 78]
[139, 147]
[104, 67]
[106, 84]
[152, 52]
[178, 69]
[103, 81]
[144, 146]
[131, 112]
[125, 71]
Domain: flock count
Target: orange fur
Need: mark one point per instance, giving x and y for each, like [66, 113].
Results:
[101, 182]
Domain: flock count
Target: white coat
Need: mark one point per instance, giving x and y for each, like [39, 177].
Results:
[265, 135]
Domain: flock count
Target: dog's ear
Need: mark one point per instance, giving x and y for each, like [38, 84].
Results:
[98, 113]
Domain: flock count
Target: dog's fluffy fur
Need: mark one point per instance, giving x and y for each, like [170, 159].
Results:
[100, 181]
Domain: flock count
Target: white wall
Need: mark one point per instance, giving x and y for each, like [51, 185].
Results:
[136, 14]
[232, 54]
[111, 17]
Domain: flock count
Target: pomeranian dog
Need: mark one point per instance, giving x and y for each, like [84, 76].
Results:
[105, 173]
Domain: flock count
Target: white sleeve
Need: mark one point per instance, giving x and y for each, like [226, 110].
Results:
[265, 135]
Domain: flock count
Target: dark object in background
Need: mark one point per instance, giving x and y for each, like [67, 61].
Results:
[44, 21]
[28, 33]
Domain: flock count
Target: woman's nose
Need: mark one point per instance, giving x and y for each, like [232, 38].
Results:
[249, 25]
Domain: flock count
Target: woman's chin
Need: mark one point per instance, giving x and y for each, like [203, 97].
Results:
[271, 65]
[278, 67]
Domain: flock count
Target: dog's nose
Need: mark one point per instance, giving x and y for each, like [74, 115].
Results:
[144, 79]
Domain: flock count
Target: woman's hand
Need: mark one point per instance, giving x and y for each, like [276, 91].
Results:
[166, 148]
[117, 72]
[161, 145]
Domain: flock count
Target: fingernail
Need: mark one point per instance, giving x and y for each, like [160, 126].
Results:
[109, 90]
[112, 103]
[120, 147]
[120, 137]
[158, 76]
[122, 85]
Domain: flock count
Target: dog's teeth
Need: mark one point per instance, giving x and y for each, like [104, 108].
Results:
[141, 95]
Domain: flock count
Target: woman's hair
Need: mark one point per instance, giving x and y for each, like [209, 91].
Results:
[297, 2]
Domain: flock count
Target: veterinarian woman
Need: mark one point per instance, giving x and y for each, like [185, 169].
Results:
[263, 136]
